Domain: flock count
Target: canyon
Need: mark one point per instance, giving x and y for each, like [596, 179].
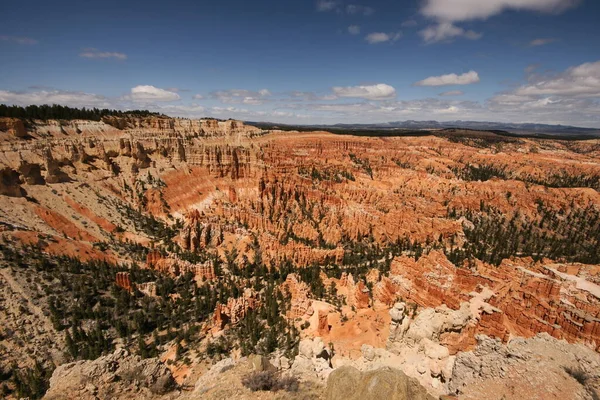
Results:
[430, 254]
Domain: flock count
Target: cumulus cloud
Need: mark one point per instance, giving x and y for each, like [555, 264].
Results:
[450, 79]
[409, 23]
[246, 114]
[95, 53]
[569, 97]
[338, 7]
[578, 81]
[298, 95]
[68, 98]
[356, 9]
[372, 92]
[240, 96]
[381, 37]
[580, 112]
[452, 93]
[176, 89]
[197, 97]
[466, 10]
[180, 110]
[449, 12]
[148, 93]
[354, 29]
[551, 110]
[18, 39]
[390, 110]
[540, 42]
[344, 109]
[446, 32]
[326, 5]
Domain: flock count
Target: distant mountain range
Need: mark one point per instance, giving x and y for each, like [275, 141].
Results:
[516, 128]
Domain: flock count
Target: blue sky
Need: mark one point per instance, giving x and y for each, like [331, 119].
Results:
[324, 61]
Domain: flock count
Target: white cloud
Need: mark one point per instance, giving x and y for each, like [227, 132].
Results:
[377, 37]
[356, 9]
[372, 92]
[550, 110]
[326, 5]
[541, 42]
[197, 97]
[578, 81]
[409, 23]
[240, 96]
[18, 39]
[448, 110]
[448, 12]
[452, 93]
[72, 99]
[569, 97]
[354, 29]
[445, 32]
[245, 114]
[147, 93]
[393, 110]
[381, 37]
[579, 112]
[308, 96]
[179, 110]
[95, 53]
[450, 79]
[344, 109]
[466, 10]
[338, 7]
[253, 101]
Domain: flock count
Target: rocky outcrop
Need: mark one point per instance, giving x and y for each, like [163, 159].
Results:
[125, 147]
[183, 127]
[357, 292]
[524, 296]
[416, 341]
[13, 126]
[307, 199]
[235, 310]
[313, 359]
[415, 338]
[53, 172]
[429, 324]
[348, 383]
[198, 234]
[10, 184]
[141, 156]
[385, 292]
[400, 322]
[120, 375]
[123, 280]
[31, 173]
[301, 304]
[147, 288]
[323, 326]
[78, 153]
[174, 266]
[542, 365]
[212, 375]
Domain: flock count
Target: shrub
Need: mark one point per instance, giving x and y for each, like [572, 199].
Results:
[269, 381]
[578, 374]
[287, 383]
[305, 325]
